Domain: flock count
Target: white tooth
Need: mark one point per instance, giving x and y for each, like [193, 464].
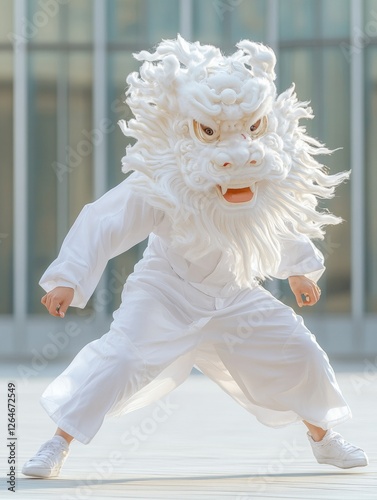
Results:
[224, 189]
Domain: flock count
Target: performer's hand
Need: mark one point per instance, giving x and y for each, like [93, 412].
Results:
[307, 292]
[58, 300]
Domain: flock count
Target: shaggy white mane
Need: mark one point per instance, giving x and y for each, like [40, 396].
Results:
[205, 123]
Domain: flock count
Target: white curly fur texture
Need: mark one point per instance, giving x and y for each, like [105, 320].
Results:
[182, 83]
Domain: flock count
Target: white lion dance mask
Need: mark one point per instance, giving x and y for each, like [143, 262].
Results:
[223, 155]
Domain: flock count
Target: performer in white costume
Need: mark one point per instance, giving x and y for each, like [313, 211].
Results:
[225, 184]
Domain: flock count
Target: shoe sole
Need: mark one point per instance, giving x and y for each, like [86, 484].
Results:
[41, 473]
[343, 465]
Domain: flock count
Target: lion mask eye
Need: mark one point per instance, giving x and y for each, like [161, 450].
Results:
[258, 128]
[204, 133]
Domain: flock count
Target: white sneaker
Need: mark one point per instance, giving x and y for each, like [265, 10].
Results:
[334, 450]
[49, 459]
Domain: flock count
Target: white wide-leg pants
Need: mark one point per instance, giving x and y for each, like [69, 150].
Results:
[253, 346]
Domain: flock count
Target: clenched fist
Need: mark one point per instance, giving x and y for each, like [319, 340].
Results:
[307, 292]
[58, 300]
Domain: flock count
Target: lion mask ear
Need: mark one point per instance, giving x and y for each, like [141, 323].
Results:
[261, 59]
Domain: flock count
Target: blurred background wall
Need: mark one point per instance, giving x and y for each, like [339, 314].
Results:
[63, 66]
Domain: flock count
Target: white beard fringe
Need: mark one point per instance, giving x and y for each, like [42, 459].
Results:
[176, 181]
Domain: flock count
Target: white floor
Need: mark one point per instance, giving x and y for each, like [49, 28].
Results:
[197, 443]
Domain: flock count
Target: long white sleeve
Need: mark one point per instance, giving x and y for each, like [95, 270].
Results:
[300, 256]
[108, 227]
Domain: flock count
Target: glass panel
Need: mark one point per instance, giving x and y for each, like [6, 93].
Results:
[79, 22]
[323, 78]
[127, 21]
[226, 23]
[142, 23]
[335, 132]
[301, 66]
[335, 18]
[60, 154]
[120, 65]
[298, 19]
[370, 16]
[162, 20]
[42, 134]
[6, 183]
[211, 21]
[52, 21]
[81, 135]
[6, 21]
[305, 19]
[371, 176]
[248, 21]
[42, 25]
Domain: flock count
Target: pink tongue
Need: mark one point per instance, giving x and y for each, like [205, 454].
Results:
[239, 195]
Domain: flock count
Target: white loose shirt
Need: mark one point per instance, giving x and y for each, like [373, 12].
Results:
[176, 314]
[123, 218]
